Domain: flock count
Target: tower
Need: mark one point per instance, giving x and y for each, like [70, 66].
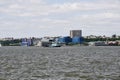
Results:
[75, 33]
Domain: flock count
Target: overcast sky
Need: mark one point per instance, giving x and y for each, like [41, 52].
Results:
[38, 18]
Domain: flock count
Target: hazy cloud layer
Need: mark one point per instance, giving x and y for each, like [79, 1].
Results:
[25, 18]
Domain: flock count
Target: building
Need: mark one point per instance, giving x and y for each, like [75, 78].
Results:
[97, 43]
[7, 39]
[75, 33]
[26, 42]
[64, 40]
[77, 40]
[43, 44]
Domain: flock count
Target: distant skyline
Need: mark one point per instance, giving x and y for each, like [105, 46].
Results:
[38, 18]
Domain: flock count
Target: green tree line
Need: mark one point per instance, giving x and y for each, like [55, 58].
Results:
[15, 42]
[100, 39]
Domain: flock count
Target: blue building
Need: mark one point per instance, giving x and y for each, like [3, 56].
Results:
[77, 40]
[26, 42]
[30, 42]
[64, 40]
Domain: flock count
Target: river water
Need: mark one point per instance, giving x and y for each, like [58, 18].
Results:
[63, 63]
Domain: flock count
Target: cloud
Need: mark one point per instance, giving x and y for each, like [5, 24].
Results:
[40, 15]
[39, 7]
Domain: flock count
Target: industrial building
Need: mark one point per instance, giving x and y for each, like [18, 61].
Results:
[76, 36]
[75, 33]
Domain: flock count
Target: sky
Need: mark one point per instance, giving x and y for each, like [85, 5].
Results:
[39, 18]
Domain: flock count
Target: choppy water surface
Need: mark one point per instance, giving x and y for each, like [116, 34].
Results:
[64, 63]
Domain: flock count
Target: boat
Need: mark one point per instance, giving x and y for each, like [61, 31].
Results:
[55, 45]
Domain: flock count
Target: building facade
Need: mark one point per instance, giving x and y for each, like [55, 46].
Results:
[75, 33]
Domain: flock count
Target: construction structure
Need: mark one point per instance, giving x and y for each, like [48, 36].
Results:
[75, 33]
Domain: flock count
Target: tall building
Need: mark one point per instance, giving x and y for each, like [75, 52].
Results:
[75, 33]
